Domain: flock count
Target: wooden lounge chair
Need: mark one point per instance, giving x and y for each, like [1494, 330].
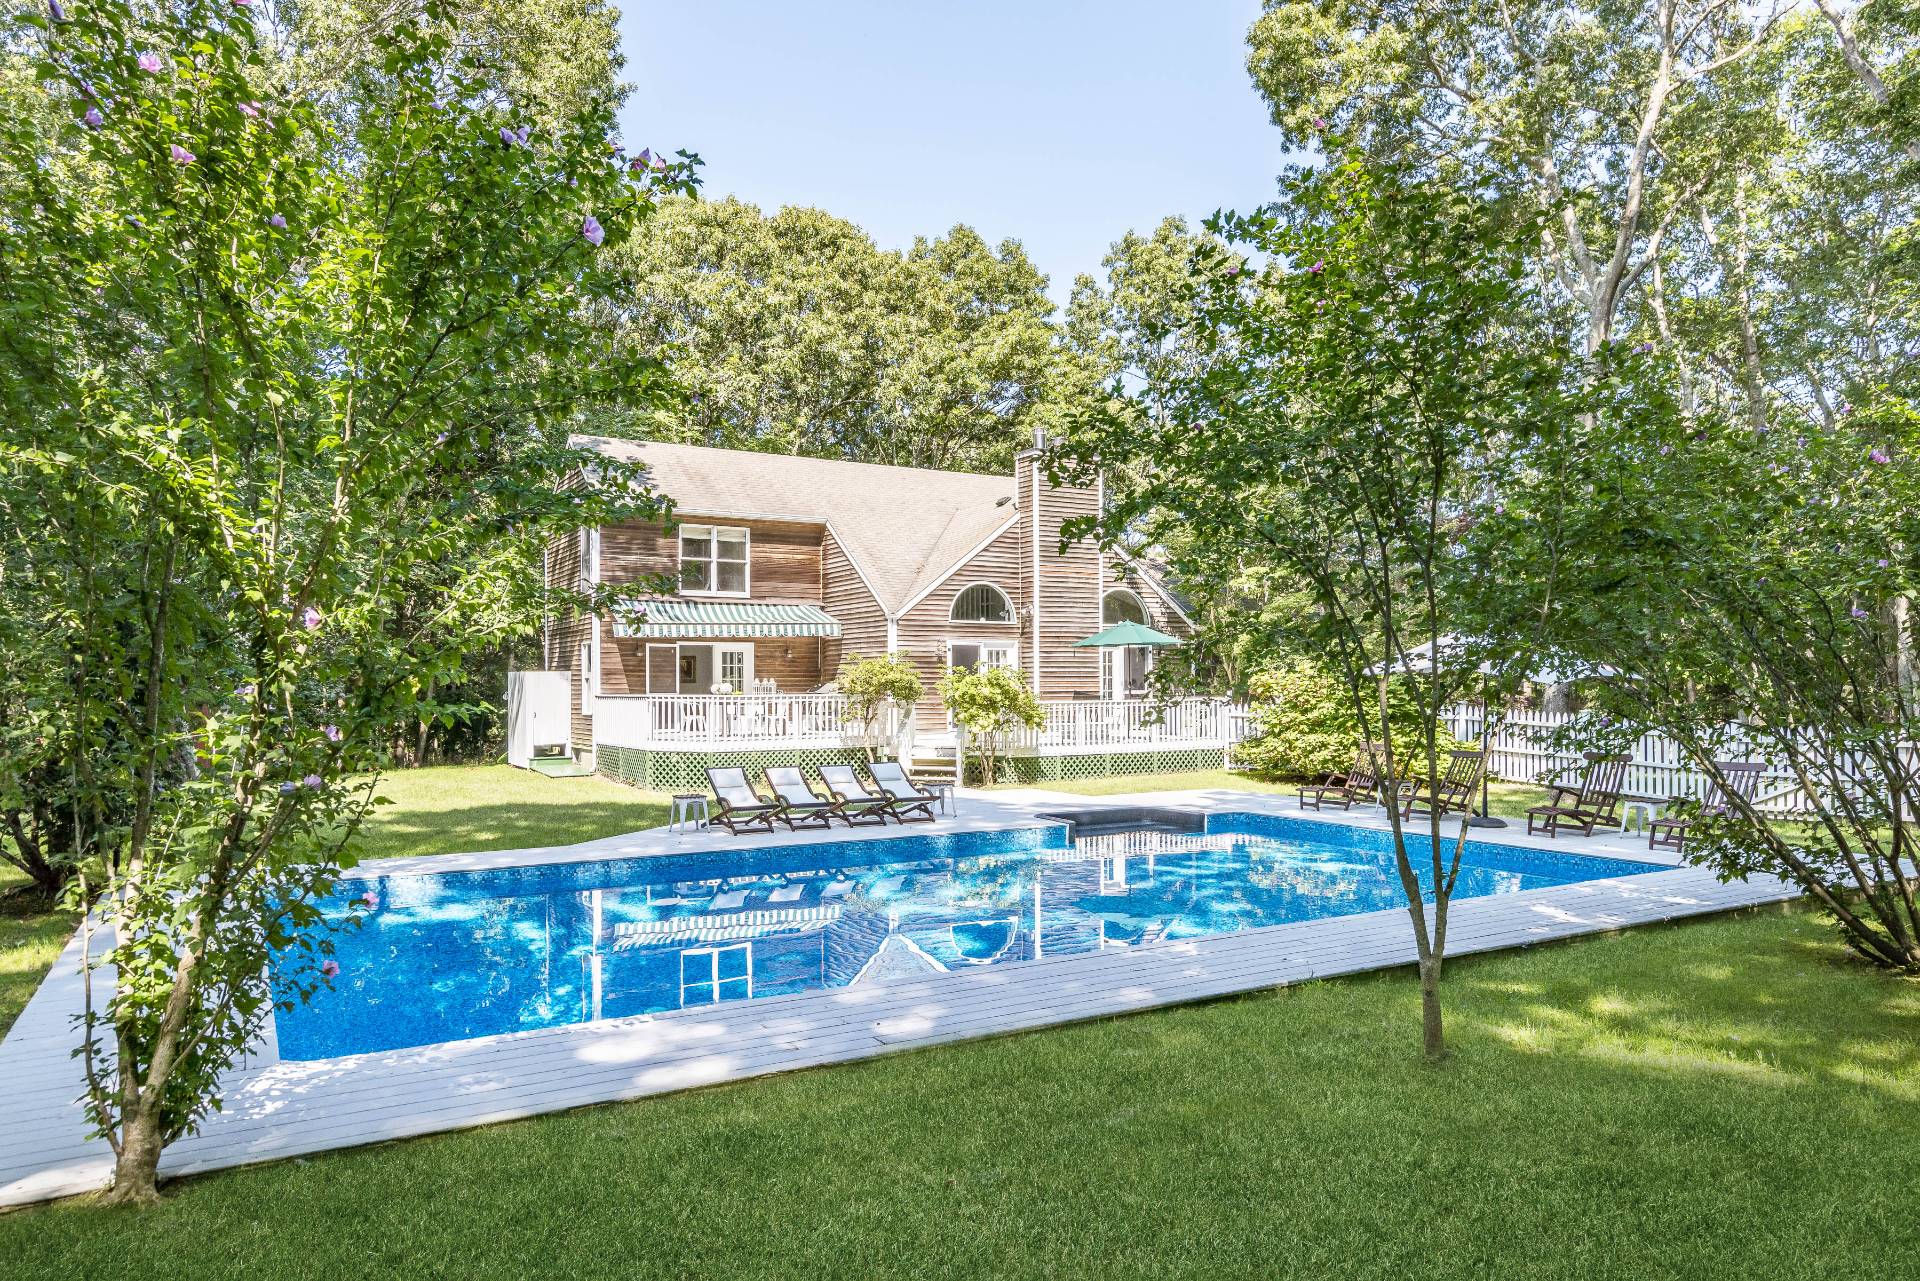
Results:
[858, 804]
[1361, 782]
[800, 806]
[1452, 794]
[738, 807]
[1742, 776]
[909, 803]
[1594, 802]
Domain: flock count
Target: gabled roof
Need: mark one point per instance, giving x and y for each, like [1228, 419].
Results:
[903, 527]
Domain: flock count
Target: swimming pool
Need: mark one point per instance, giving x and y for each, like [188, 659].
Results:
[451, 956]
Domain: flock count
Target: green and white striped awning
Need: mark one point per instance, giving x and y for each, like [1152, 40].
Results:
[720, 620]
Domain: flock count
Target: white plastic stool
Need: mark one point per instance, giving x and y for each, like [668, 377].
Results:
[689, 812]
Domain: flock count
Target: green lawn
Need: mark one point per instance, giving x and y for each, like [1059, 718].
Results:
[31, 936]
[1723, 1099]
[1509, 800]
[1728, 1098]
[459, 808]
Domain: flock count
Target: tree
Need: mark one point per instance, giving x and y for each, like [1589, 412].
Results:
[259, 368]
[1749, 586]
[794, 333]
[875, 686]
[1304, 722]
[1383, 362]
[989, 703]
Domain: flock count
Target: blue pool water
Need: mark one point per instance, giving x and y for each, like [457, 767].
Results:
[466, 954]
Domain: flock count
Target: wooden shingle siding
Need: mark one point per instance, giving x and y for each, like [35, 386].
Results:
[1069, 595]
[783, 557]
[926, 628]
[863, 624]
[566, 631]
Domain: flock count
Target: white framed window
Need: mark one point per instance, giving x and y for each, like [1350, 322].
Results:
[713, 560]
[709, 975]
[981, 603]
[733, 666]
[968, 654]
[1122, 606]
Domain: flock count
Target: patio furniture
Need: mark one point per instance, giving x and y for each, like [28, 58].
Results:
[1638, 813]
[1452, 793]
[690, 812]
[943, 792]
[1361, 782]
[908, 798]
[858, 805]
[799, 804]
[1742, 776]
[741, 808]
[1594, 802]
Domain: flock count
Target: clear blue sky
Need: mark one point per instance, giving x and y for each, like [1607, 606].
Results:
[1059, 123]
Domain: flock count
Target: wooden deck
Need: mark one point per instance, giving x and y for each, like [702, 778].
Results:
[276, 1109]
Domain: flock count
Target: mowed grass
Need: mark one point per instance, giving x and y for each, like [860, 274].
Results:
[461, 808]
[1724, 1099]
[31, 936]
[1508, 800]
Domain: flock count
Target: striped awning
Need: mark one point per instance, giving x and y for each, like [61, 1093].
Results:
[720, 620]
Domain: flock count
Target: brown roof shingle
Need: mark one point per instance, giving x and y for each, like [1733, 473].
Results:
[904, 527]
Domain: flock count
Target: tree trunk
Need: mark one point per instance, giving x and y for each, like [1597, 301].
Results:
[1433, 1039]
[136, 1171]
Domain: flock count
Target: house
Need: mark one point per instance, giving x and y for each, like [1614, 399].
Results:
[780, 567]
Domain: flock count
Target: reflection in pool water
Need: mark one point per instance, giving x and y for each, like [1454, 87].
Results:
[458, 955]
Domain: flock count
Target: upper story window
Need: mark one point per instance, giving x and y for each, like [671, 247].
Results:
[713, 558]
[1121, 606]
[982, 603]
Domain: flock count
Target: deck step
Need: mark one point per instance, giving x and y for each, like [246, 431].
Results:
[558, 767]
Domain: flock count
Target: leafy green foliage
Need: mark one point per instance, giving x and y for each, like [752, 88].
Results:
[873, 686]
[267, 370]
[990, 703]
[794, 333]
[1305, 725]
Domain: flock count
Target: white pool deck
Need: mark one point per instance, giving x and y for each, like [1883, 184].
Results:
[277, 1109]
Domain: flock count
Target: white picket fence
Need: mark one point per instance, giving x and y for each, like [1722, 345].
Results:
[1115, 724]
[1520, 750]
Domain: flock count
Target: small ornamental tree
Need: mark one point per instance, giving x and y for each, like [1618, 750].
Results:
[1358, 394]
[990, 703]
[1755, 587]
[260, 368]
[873, 685]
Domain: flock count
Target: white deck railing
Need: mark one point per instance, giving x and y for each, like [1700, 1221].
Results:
[747, 721]
[733, 721]
[1112, 724]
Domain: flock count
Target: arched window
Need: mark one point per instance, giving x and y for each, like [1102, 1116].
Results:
[1121, 606]
[982, 603]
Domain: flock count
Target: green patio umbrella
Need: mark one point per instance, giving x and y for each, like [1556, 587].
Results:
[1125, 634]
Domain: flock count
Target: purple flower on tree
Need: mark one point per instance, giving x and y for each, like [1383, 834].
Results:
[93, 118]
[1319, 122]
[332, 732]
[330, 967]
[313, 782]
[1857, 612]
[278, 220]
[592, 231]
[150, 62]
[288, 789]
[251, 110]
[181, 156]
[55, 12]
[1879, 456]
[1319, 265]
[515, 137]
[310, 618]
